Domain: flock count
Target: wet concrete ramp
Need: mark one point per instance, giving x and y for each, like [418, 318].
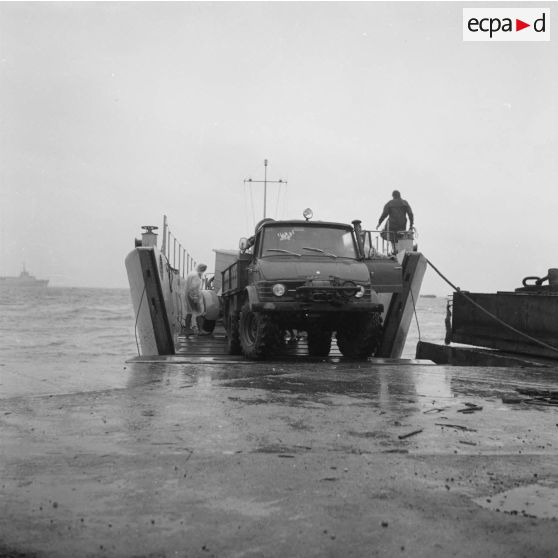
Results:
[281, 458]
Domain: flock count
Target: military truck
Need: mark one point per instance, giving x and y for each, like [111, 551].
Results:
[301, 275]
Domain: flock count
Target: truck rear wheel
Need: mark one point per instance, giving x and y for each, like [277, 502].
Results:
[233, 337]
[361, 337]
[259, 334]
[319, 342]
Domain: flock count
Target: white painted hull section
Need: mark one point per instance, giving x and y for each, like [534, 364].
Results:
[145, 334]
[158, 293]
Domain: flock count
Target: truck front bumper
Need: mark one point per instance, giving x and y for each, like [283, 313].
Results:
[315, 307]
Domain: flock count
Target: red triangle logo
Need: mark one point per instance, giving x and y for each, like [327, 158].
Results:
[519, 25]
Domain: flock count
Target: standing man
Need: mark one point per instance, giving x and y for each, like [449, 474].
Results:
[396, 210]
[194, 299]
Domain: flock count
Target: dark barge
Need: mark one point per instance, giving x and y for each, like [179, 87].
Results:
[503, 328]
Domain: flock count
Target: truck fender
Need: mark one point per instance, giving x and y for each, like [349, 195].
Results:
[251, 295]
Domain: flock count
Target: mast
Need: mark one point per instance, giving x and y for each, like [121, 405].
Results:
[265, 182]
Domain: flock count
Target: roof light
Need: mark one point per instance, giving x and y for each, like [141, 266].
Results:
[308, 214]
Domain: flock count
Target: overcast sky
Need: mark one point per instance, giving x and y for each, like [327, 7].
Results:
[113, 114]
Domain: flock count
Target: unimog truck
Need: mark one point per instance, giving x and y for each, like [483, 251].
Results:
[302, 275]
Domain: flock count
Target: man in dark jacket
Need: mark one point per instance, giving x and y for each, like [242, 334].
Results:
[396, 210]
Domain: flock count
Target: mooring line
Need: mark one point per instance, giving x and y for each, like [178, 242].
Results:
[488, 313]
[415, 312]
[136, 324]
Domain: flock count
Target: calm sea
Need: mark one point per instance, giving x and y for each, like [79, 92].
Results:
[62, 340]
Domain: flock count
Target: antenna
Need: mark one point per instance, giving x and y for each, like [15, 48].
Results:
[265, 182]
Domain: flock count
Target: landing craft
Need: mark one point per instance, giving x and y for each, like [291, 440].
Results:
[309, 286]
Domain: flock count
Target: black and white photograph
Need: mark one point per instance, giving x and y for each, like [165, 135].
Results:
[278, 279]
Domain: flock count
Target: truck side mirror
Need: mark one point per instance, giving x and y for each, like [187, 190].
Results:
[243, 244]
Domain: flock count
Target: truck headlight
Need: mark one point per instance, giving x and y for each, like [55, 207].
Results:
[279, 289]
[351, 288]
[360, 292]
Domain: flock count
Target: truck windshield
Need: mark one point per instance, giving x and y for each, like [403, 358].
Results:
[299, 240]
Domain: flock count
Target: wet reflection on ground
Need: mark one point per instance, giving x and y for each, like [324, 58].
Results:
[529, 501]
[380, 382]
[397, 407]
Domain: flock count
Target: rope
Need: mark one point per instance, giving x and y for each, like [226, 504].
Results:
[277, 204]
[284, 201]
[442, 276]
[169, 273]
[415, 312]
[180, 307]
[501, 322]
[246, 212]
[447, 322]
[252, 204]
[136, 324]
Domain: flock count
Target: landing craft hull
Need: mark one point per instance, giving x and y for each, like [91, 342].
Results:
[158, 289]
[158, 295]
[399, 305]
[158, 299]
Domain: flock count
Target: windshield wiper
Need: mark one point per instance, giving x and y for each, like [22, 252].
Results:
[319, 250]
[284, 251]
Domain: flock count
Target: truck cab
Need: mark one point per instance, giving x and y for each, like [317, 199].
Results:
[304, 275]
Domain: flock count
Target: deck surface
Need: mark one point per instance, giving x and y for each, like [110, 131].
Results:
[214, 345]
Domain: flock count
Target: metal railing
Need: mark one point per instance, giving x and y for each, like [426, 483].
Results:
[177, 256]
[379, 244]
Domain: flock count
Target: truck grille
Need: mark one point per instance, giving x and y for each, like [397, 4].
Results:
[322, 291]
[265, 292]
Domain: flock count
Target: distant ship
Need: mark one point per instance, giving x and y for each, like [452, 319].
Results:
[25, 279]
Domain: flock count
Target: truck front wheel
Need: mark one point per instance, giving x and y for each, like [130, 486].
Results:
[259, 334]
[360, 338]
